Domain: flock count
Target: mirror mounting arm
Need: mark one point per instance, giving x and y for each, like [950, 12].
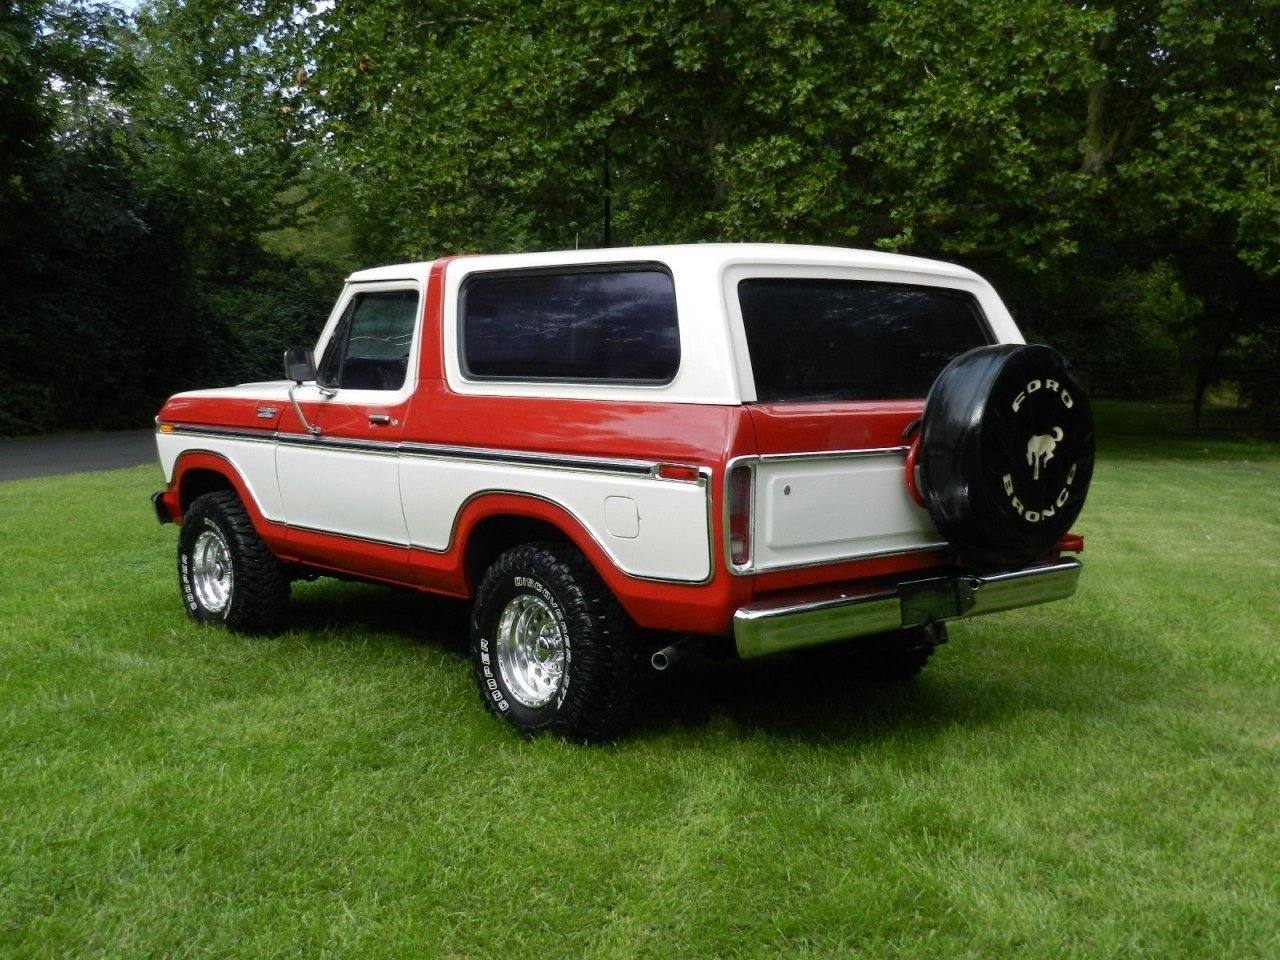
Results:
[300, 366]
[297, 408]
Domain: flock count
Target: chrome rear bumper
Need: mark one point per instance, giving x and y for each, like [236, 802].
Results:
[794, 621]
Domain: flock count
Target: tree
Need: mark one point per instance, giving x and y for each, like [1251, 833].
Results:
[73, 349]
[1059, 147]
[1184, 131]
[116, 245]
[213, 106]
[1111, 164]
[488, 125]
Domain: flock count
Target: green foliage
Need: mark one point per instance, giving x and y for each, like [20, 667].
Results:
[24, 118]
[1185, 127]
[973, 127]
[87, 319]
[799, 120]
[1116, 147]
[484, 127]
[129, 228]
[214, 107]
[1257, 370]
[1131, 334]
[1112, 165]
[281, 303]
[1207, 153]
[91, 269]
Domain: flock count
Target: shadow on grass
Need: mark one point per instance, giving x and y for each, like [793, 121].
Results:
[792, 698]
[331, 608]
[785, 697]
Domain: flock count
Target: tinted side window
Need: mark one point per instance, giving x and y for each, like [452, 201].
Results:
[585, 325]
[370, 348]
[853, 340]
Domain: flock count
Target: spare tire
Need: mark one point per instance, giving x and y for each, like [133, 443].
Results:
[1006, 453]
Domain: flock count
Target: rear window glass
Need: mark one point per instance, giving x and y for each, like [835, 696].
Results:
[616, 325]
[853, 340]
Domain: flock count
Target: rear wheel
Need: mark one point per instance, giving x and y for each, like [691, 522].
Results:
[551, 647]
[894, 657]
[225, 572]
[901, 662]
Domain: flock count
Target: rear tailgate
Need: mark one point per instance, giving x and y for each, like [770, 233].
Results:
[830, 485]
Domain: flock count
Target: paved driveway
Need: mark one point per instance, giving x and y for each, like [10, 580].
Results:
[75, 453]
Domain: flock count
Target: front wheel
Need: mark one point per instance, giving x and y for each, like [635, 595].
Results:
[225, 572]
[551, 647]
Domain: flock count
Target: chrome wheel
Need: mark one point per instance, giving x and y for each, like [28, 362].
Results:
[551, 648]
[532, 650]
[212, 577]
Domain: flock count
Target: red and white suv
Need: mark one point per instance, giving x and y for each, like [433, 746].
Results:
[619, 454]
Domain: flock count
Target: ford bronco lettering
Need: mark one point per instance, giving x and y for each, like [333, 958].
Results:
[618, 455]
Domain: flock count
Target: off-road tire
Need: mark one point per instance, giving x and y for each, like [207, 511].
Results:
[903, 661]
[226, 574]
[889, 658]
[553, 651]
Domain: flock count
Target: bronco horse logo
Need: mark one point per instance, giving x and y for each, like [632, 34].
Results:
[1040, 450]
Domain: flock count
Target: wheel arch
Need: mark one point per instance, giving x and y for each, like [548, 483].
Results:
[198, 481]
[200, 472]
[491, 524]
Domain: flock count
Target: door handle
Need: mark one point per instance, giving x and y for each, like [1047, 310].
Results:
[379, 419]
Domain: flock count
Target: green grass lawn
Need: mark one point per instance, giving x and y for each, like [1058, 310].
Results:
[1096, 778]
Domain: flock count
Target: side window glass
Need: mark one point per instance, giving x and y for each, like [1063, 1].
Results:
[615, 325]
[370, 347]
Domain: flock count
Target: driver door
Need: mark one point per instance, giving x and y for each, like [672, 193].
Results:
[340, 484]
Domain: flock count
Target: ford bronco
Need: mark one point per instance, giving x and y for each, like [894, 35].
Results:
[618, 455]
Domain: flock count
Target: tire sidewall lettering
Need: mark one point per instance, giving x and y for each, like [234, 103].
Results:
[186, 544]
[521, 583]
[492, 687]
[255, 582]
[553, 640]
[184, 578]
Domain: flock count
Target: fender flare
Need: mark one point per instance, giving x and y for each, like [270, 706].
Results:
[177, 497]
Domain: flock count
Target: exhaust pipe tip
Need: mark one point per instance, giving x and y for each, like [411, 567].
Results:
[674, 652]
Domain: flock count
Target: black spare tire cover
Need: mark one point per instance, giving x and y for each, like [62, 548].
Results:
[1006, 453]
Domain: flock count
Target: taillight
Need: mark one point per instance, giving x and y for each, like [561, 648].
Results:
[739, 495]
